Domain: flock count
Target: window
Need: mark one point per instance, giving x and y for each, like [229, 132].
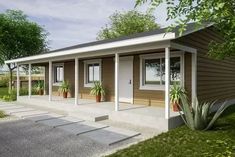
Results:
[58, 73]
[92, 69]
[152, 71]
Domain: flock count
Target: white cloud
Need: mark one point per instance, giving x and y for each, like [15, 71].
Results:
[72, 22]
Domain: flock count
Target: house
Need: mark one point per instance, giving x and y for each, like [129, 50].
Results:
[139, 69]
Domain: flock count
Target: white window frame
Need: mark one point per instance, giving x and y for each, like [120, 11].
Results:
[86, 63]
[53, 72]
[143, 86]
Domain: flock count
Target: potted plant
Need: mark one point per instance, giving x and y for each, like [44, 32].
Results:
[97, 90]
[175, 93]
[39, 87]
[64, 88]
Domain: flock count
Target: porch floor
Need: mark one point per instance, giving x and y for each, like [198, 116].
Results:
[89, 110]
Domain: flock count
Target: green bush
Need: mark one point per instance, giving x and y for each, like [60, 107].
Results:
[2, 114]
[4, 82]
[10, 97]
[25, 91]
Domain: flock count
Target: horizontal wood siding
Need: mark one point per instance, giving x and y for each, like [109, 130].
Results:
[215, 78]
[145, 97]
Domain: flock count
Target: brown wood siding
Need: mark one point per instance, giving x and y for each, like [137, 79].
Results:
[188, 73]
[107, 75]
[215, 78]
[145, 97]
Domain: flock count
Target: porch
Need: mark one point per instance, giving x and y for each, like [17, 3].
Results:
[139, 115]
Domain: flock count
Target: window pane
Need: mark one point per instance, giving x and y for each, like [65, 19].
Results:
[175, 70]
[96, 72]
[163, 70]
[152, 71]
[90, 73]
[59, 74]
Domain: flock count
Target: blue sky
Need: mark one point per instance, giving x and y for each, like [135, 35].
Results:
[71, 22]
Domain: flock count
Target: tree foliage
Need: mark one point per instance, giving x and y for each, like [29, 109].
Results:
[221, 13]
[19, 37]
[127, 23]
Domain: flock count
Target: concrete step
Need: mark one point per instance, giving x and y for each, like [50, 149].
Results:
[94, 117]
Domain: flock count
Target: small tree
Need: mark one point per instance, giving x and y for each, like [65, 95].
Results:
[19, 37]
[127, 23]
[221, 13]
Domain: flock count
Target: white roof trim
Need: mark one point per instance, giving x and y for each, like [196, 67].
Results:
[116, 44]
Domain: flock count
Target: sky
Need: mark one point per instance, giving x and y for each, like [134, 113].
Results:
[71, 22]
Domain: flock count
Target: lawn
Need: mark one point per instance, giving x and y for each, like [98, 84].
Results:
[182, 142]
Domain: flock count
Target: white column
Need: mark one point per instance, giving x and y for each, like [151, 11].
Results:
[76, 80]
[194, 75]
[50, 80]
[167, 82]
[116, 82]
[44, 81]
[30, 81]
[18, 80]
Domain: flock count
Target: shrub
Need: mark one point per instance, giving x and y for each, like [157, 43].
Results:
[4, 82]
[10, 97]
[199, 117]
[2, 114]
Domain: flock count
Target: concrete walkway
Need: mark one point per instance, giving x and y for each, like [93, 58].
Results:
[95, 131]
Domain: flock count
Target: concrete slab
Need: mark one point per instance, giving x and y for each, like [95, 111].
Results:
[29, 113]
[60, 121]
[111, 135]
[11, 111]
[11, 107]
[83, 127]
[48, 116]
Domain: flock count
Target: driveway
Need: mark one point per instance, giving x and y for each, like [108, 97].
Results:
[40, 133]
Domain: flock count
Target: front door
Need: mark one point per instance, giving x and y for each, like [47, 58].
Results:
[126, 79]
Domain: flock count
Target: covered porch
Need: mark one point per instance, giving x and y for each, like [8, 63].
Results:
[139, 115]
[140, 48]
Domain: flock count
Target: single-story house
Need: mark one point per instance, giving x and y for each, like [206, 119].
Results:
[139, 69]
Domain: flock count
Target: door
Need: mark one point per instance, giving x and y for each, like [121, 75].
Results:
[126, 79]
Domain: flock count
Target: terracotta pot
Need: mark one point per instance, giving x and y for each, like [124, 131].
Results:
[98, 98]
[176, 107]
[40, 92]
[65, 94]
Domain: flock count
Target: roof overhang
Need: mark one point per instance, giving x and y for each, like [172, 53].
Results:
[110, 48]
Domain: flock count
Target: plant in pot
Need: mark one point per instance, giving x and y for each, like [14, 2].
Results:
[175, 95]
[97, 90]
[64, 88]
[39, 87]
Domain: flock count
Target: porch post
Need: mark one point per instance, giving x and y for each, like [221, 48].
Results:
[18, 81]
[76, 80]
[194, 75]
[50, 80]
[167, 82]
[116, 81]
[30, 81]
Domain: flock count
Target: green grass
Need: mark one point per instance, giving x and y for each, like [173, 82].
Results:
[182, 142]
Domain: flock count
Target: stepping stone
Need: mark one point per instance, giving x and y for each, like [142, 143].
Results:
[83, 127]
[60, 121]
[49, 116]
[11, 111]
[29, 113]
[111, 135]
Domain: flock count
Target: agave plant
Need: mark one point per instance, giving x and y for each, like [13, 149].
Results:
[199, 116]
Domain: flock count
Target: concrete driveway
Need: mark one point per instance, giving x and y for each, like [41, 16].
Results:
[42, 133]
[24, 138]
